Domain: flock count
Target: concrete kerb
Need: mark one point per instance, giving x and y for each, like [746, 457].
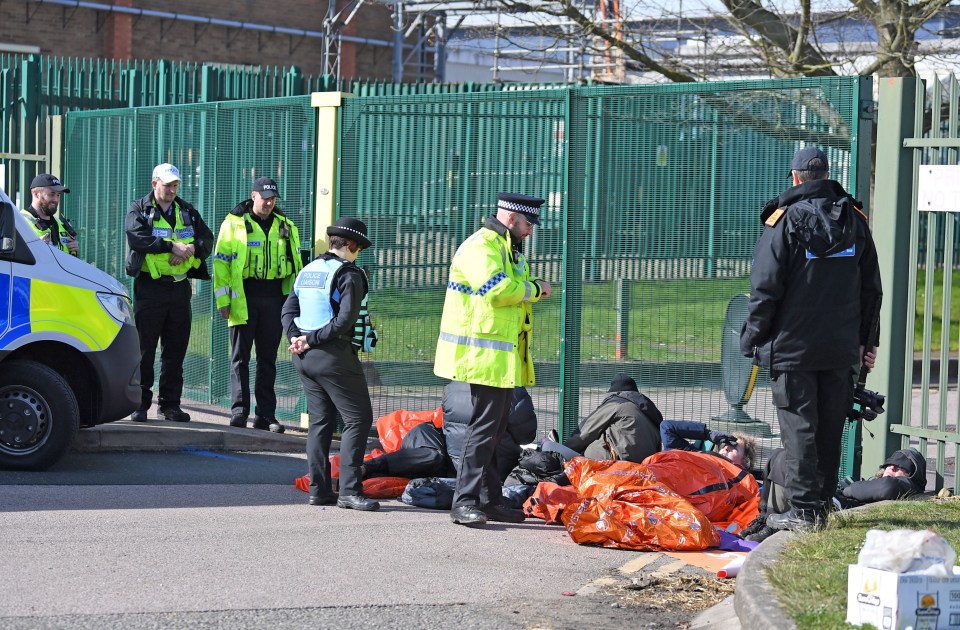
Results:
[209, 429]
[755, 600]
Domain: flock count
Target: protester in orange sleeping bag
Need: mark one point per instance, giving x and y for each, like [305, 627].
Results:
[722, 490]
[623, 505]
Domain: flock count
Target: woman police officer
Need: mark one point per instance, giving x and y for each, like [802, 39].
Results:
[320, 317]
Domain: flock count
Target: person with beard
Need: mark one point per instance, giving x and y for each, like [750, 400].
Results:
[485, 341]
[814, 302]
[52, 228]
[169, 244]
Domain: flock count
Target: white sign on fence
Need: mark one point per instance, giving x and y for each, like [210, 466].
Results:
[938, 188]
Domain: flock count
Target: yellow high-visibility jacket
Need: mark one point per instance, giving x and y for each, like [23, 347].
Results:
[244, 251]
[487, 313]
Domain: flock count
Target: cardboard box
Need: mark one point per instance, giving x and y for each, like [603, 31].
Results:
[898, 601]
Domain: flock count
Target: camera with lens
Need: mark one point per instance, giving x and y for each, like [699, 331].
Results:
[867, 404]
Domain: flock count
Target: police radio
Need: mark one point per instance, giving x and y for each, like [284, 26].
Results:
[71, 231]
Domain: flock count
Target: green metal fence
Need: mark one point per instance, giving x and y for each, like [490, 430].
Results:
[34, 87]
[653, 207]
[220, 148]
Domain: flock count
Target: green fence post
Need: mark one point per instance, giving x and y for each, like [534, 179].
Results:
[209, 86]
[293, 82]
[29, 117]
[891, 231]
[571, 293]
[623, 318]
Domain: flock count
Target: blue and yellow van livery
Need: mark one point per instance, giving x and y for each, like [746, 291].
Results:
[69, 353]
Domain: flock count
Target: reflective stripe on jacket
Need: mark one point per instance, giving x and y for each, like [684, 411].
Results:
[158, 265]
[244, 251]
[487, 315]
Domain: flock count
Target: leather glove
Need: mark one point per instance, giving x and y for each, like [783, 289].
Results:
[718, 437]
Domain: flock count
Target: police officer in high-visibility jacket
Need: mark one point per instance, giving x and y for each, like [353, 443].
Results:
[256, 259]
[52, 228]
[169, 243]
[485, 341]
[320, 317]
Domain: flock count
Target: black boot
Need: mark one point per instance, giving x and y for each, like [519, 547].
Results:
[797, 520]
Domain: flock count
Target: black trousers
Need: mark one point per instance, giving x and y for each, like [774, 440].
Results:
[333, 381]
[162, 313]
[478, 481]
[263, 330]
[812, 407]
[411, 463]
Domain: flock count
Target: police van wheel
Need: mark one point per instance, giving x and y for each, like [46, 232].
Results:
[39, 417]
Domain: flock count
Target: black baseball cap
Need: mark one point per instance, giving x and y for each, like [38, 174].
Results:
[46, 180]
[803, 157]
[266, 187]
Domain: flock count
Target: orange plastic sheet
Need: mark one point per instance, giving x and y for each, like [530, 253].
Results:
[385, 487]
[392, 427]
[723, 491]
[375, 488]
[622, 505]
[549, 500]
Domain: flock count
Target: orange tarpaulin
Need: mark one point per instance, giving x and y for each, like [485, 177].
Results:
[622, 505]
[392, 427]
[376, 488]
[549, 500]
[723, 491]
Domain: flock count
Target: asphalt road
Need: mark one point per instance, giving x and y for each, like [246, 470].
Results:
[202, 539]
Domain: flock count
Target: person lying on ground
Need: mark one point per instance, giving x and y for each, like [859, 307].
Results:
[624, 427]
[739, 448]
[422, 453]
[903, 474]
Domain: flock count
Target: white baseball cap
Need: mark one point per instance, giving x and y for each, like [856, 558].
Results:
[166, 173]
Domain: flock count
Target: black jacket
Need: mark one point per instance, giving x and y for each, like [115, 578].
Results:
[815, 282]
[890, 488]
[521, 426]
[141, 240]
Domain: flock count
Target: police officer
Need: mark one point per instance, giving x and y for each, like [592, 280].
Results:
[53, 228]
[485, 341]
[320, 316]
[256, 259]
[169, 243]
[814, 299]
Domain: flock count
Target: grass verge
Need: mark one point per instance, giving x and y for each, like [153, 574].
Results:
[811, 576]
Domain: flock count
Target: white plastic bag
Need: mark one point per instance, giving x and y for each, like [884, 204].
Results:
[908, 551]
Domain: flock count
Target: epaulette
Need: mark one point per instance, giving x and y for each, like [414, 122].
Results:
[775, 217]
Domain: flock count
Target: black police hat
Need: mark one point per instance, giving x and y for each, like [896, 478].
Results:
[46, 180]
[354, 229]
[803, 157]
[529, 206]
[266, 187]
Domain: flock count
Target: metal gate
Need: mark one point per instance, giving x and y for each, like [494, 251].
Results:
[917, 130]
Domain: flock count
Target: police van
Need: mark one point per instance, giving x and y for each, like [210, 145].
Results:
[69, 353]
